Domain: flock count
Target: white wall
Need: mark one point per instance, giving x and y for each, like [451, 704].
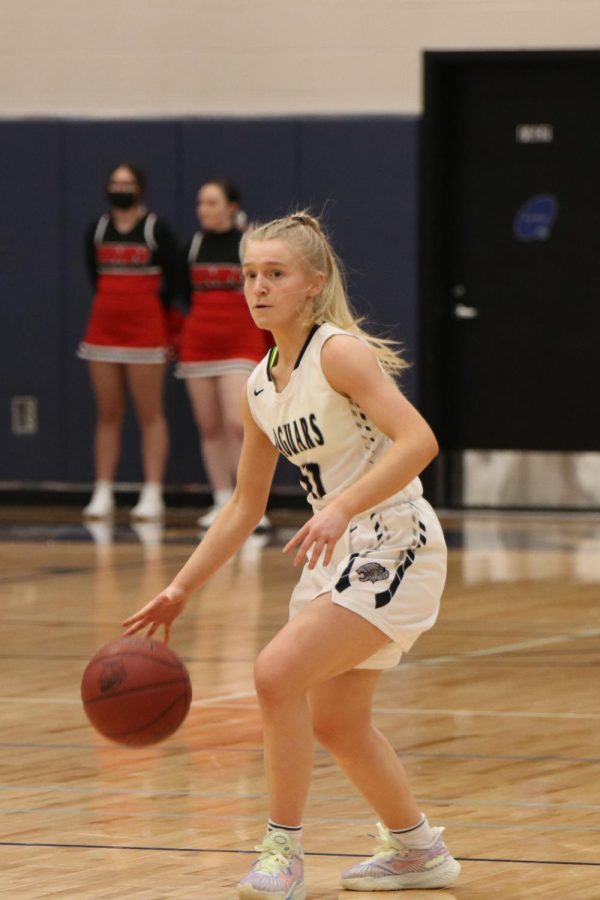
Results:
[223, 57]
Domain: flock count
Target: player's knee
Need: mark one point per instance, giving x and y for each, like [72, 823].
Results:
[272, 679]
[234, 430]
[211, 430]
[152, 419]
[328, 731]
[336, 733]
[111, 416]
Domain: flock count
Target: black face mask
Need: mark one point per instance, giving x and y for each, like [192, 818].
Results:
[122, 199]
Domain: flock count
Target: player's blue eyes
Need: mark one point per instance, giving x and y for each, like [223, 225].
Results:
[276, 273]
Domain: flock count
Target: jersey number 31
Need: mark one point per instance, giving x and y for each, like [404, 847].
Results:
[311, 480]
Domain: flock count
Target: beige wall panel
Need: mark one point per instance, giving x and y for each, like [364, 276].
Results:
[228, 57]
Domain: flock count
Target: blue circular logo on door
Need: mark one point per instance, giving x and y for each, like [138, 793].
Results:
[535, 219]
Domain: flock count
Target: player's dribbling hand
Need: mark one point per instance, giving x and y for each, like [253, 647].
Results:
[321, 533]
[162, 610]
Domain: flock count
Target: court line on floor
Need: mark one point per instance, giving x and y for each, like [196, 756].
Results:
[492, 714]
[84, 659]
[45, 572]
[225, 702]
[432, 801]
[424, 661]
[416, 754]
[510, 648]
[224, 698]
[44, 813]
[75, 701]
[77, 846]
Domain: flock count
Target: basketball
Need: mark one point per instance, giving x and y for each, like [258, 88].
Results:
[136, 691]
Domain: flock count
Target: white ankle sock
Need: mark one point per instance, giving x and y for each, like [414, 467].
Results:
[294, 832]
[151, 490]
[103, 487]
[418, 837]
[221, 496]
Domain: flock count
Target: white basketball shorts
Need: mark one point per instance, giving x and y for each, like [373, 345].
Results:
[388, 567]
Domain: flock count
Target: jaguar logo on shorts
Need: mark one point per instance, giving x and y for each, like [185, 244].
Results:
[372, 572]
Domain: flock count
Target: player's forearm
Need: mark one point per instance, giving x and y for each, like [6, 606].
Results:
[398, 466]
[234, 524]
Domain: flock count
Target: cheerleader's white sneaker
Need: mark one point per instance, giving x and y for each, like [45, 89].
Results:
[102, 502]
[151, 504]
[206, 520]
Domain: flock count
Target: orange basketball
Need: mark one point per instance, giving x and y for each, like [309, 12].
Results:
[136, 691]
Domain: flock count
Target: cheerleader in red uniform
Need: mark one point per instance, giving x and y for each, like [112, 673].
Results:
[220, 344]
[132, 259]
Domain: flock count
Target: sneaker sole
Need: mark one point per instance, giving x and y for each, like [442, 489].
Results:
[247, 892]
[441, 877]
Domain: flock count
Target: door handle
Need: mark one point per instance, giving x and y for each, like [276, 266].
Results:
[462, 311]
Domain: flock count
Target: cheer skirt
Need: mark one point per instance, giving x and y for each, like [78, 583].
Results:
[219, 337]
[127, 323]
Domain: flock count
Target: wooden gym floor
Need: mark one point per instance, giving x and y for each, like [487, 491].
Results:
[495, 713]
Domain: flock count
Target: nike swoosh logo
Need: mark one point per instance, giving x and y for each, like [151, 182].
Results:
[256, 393]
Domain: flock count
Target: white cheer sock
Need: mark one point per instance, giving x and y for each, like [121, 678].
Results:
[151, 491]
[102, 488]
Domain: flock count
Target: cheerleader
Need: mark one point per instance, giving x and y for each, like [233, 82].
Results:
[220, 344]
[373, 555]
[132, 261]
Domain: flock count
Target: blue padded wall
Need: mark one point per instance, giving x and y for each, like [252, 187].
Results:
[362, 171]
[259, 155]
[30, 288]
[363, 174]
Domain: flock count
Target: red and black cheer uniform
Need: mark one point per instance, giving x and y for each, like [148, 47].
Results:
[135, 276]
[219, 335]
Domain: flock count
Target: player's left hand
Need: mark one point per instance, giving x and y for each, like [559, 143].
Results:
[321, 533]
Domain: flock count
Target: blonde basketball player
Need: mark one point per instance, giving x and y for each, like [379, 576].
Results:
[373, 555]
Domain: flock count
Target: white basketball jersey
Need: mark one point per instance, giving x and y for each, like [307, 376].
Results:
[326, 435]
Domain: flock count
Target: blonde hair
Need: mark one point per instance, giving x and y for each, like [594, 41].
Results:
[331, 305]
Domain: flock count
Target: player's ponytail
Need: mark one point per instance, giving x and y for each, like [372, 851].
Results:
[331, 304]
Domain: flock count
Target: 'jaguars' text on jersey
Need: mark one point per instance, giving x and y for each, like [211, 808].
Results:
[325, 434]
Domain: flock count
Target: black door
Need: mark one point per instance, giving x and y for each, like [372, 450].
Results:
[511, 250]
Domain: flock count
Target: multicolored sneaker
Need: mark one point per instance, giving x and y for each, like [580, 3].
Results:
[395, 867]
[278, 873]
